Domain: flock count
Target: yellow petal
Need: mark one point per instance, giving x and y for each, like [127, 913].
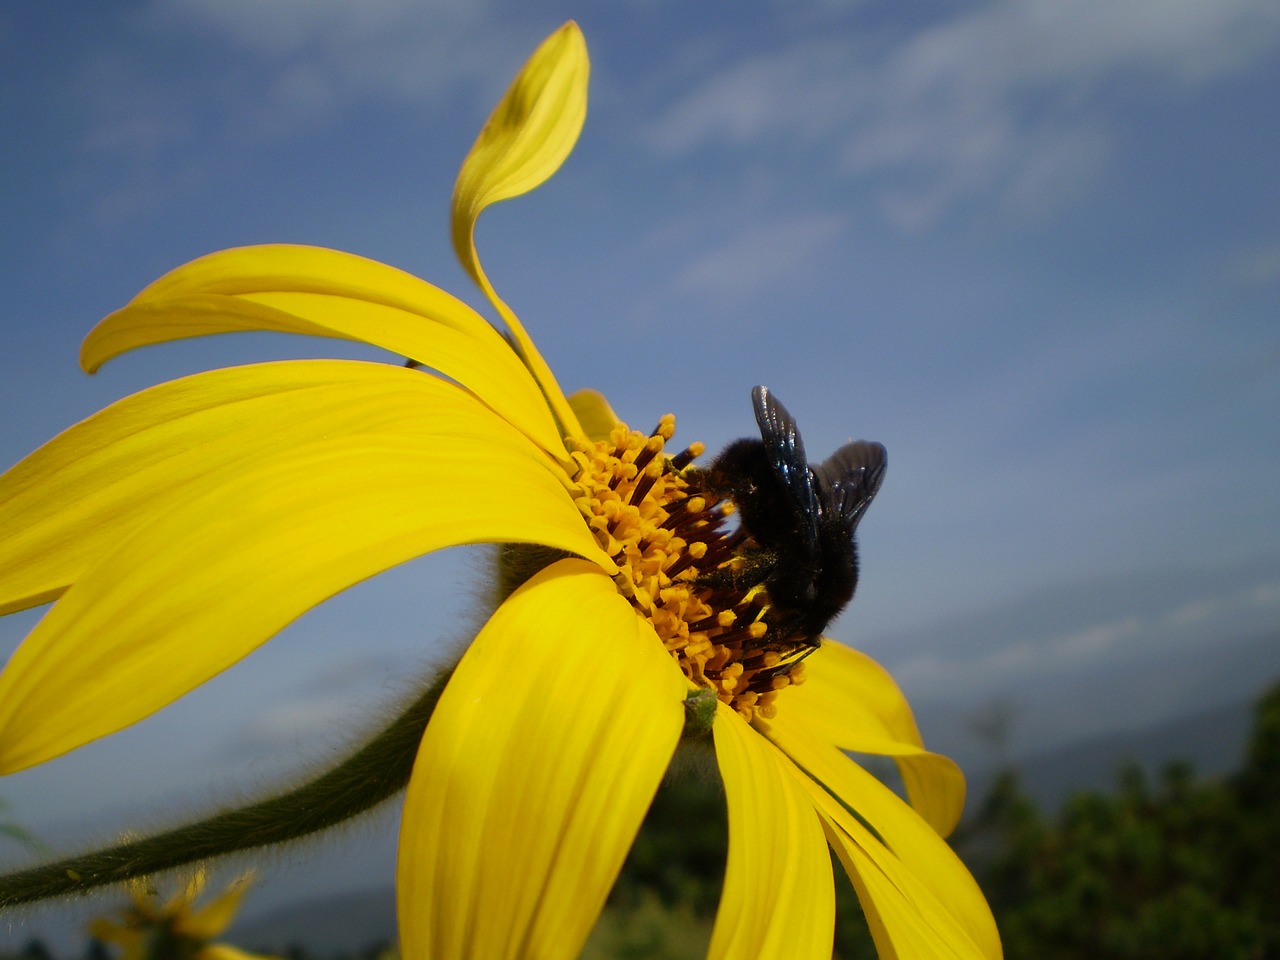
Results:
[224, 951]
[208, 921]
[73, 500]
[594, 414]
[196, 590]
[529, 134]
[188, 892]
[916, 844]
[779, 898]
[936, 788]
[319, 292]
[906, 919]
[856, 695]
[112, 931]
[851, 701]
[535, 772]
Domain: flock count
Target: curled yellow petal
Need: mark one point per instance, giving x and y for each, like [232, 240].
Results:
[779, 899]
[253, 548]
[318, 292]
[906, 919]
[936, 787]
[538, 765]
[529, 134]
[910, 838]
[850, 701]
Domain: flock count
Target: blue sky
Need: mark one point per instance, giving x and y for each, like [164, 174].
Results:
[1032, 247]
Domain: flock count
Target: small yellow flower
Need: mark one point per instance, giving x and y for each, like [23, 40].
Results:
[174, 928]
[182, 527]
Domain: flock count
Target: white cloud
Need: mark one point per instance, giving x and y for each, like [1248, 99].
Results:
[262, 72]
[1008, 99]
[761, 258]
[322, 55]
[372, 37]
[1005, 667]
[135, 142]
[272, 67]
[799, 89]
[284, 26]
[1154, 638]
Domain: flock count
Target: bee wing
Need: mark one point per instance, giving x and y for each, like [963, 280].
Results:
[849, 479]
[785, 449]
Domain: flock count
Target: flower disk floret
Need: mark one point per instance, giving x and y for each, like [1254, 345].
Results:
[666, 532]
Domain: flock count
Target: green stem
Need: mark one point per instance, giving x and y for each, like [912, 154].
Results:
[374, 773]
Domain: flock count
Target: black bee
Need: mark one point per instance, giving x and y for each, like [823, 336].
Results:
[802, 517]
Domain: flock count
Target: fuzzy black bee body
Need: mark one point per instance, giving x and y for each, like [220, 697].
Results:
[802, 517]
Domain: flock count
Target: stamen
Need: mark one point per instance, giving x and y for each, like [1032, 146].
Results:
[689, 454]
[681, 570]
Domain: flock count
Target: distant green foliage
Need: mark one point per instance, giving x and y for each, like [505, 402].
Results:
[679, 855]
[1178, 869]
[647, 929]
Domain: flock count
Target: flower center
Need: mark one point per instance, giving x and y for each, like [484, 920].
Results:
[682, 570]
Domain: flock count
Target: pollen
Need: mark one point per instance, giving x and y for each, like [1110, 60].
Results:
[677, 557]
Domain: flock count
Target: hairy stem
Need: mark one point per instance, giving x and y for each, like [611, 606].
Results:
[372, 774]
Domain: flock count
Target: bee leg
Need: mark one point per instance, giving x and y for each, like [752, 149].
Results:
[745, 571]
[789, 664]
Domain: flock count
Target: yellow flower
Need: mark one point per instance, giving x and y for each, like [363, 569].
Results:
[150, 928]
[183, 526]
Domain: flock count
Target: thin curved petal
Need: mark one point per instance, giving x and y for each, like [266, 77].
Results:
[906, 920]
[594, 414]
[915, 843]
[779, 899]
[529, 134]
[224, 951]
[74, 499]
[538, 765]
[936, 788]
[196, 590]
[130, 939]
[319, 292]
[206, 922]
[849, 700]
